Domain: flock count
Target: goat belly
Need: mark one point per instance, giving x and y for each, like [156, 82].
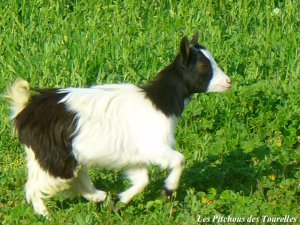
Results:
[117, 126]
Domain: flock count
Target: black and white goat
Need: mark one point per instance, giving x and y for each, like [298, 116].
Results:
[122, 126]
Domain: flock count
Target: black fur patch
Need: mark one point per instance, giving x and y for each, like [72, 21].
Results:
[47, 127]
[190, 73]
[167, 92]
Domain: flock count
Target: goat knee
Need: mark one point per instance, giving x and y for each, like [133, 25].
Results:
[177, 165]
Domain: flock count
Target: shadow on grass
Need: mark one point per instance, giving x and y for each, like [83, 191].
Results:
[237, 171]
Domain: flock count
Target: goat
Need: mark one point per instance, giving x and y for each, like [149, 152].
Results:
[119, 126]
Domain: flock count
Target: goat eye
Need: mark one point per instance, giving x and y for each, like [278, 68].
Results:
[203, 66]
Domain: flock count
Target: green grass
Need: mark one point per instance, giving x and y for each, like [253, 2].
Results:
[242, 148]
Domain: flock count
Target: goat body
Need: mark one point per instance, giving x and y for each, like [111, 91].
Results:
[121, 126]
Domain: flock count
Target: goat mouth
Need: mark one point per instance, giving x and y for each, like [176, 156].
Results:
[219, 88]
[227, 87]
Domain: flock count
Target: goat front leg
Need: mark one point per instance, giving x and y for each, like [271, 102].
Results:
[139, 180]
[172, 181]
[168, 158]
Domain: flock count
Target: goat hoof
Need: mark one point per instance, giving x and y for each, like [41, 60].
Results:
[113, 203]
[168, 194]
[116, 200]
[116, 204]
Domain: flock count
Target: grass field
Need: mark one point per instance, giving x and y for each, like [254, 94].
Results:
[242, 148]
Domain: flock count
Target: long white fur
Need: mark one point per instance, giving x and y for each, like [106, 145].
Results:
[119, 128]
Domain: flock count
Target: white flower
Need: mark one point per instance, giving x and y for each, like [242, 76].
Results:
[172, 13]
[276, 12]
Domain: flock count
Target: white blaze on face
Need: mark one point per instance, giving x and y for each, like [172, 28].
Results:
[219, 82]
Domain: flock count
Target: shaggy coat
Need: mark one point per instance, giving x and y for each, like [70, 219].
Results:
[120, 126]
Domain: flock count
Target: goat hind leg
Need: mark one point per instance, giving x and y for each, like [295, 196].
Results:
[84, 185]
[34, 197]
[35, 184]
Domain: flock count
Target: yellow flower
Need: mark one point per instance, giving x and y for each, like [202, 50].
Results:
[255, 160]
[272, 177]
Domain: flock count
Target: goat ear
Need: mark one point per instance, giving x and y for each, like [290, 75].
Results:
[195, 38]
[184, 49]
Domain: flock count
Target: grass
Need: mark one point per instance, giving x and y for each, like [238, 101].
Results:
[242, 148]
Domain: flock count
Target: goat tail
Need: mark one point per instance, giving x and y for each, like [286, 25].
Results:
[18, 94]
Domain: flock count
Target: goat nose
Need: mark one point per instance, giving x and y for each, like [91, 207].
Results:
[228, 81]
